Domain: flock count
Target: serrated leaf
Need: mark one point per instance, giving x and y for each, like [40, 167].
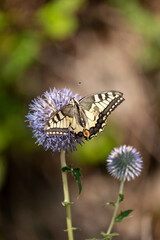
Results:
[123, 215]
[66, 203]
[76, 174]
[121, 197]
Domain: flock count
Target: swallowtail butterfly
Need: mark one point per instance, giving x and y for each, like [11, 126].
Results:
[86, 117]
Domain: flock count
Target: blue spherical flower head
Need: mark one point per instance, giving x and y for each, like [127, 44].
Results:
[124, 162]
[41, 109]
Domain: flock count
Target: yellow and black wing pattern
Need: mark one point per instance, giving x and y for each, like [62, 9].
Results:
[98, 107]
[60, 121]
[86, 117]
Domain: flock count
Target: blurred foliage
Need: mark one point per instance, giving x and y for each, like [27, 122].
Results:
[3, 170]
[58, 19]
[3, 21]
[24, 52]
[147, 24]
[96, 151]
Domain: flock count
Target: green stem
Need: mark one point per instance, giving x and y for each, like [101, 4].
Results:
[116, 207]
[66, 197]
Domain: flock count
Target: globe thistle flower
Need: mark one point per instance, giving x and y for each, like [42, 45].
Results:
[41, 109]
[124, 162]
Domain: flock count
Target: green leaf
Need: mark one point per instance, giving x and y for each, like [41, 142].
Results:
[123, 215]
[121, 197]
[66, 169]
[109, 203]
[76, 174]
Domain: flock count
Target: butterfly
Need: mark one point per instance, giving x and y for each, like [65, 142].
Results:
[85, 117]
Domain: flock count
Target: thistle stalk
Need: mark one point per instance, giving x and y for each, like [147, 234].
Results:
[116, 207]
[66, 197]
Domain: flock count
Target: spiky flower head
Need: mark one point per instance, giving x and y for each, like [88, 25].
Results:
[124, 162]
[41, 109]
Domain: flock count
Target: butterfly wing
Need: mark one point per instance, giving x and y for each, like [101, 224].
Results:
[98, 107]
[59, 123]
[64, 120]
[89, 114]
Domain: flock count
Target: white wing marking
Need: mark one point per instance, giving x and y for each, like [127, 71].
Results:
[89, 115]
[99, 106]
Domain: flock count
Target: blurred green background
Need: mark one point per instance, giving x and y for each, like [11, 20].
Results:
[87, 46]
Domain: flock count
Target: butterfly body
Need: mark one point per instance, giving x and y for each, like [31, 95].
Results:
[86, 117]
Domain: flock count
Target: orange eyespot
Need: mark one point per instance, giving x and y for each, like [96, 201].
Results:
[86, 133]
